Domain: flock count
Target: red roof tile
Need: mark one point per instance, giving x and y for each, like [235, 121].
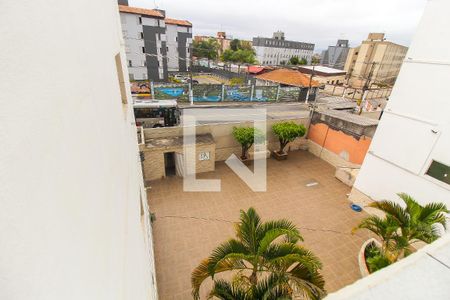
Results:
[178, 22]
[140, 11]
[288, 77]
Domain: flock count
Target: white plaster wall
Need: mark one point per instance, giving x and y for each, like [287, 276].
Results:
[274, 55]
[131, 30]
[71, 184]
[172, 44]
[415, 128]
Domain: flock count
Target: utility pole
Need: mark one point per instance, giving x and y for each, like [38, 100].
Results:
[366, 86]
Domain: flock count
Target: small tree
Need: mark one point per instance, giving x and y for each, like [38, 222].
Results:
[246, 137]
[287, 132]
[303, 61]
[294, 60]
[206, 49]
[265, 261]
[402, 226]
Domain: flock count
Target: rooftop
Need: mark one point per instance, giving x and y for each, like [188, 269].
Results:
[189, 225]
[349, 117]
[288, 77]
[323, 69]
[177, 141]
[178, 22]
[140, 11]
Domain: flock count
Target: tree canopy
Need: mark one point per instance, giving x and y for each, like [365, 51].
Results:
[294, 60]
[287, 132]
[240, 52]
[266, 263]
[206, 48]
[402, 226]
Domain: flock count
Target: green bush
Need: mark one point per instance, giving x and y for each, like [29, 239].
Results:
[375, 259]
[246, 137]
[287, 132]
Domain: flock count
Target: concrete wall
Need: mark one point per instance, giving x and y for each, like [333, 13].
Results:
[154, 165]
[222, 135]
[71, 222]
[131, 30]
[346, 146]
[410, 134]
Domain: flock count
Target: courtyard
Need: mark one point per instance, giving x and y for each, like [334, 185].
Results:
[303, 189]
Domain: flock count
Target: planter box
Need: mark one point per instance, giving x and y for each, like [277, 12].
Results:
[364, 270]
[259, 154]
[278, 156]
[246, 161]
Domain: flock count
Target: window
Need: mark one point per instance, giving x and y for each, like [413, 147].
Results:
[130, 63]
[131, 78]
[167, 49]
[140, 20]
[142, 35]
[143, 49]
[158, 23]
[439, 171]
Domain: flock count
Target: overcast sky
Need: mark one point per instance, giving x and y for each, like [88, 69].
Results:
[321, 22]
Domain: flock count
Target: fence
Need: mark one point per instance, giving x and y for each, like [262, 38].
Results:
[220, 72]
[229, 93]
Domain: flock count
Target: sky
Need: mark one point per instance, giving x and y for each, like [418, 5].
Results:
[321, 22]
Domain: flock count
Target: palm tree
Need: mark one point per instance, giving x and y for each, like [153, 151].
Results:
[268, 263]
[403, 226]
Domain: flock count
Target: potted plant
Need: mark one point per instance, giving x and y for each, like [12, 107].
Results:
[246, 137]
[398, 230]
[286, 133]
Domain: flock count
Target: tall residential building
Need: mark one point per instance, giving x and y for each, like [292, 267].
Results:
[179, 44]
[277, 50]
[155, 44]
[376, 60]
[335, 56]
[74, 220]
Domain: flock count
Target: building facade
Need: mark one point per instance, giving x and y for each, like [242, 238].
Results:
[74, 222]
[375, 60]
[336, 56]
[179, 45]
[278, 51]
[324, 75]
[410, 151]
[155, 44]
[400, 162]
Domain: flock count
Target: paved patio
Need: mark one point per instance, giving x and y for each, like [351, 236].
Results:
[190, 225]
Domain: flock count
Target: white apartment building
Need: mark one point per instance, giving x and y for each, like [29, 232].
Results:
[74, 222]
[179, 45]
[410, 151]
[155, 44]
[278, 51]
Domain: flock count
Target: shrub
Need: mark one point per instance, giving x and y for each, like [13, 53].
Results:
[287, 132]
[236, 81]
[246, 137]
[375, 258]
